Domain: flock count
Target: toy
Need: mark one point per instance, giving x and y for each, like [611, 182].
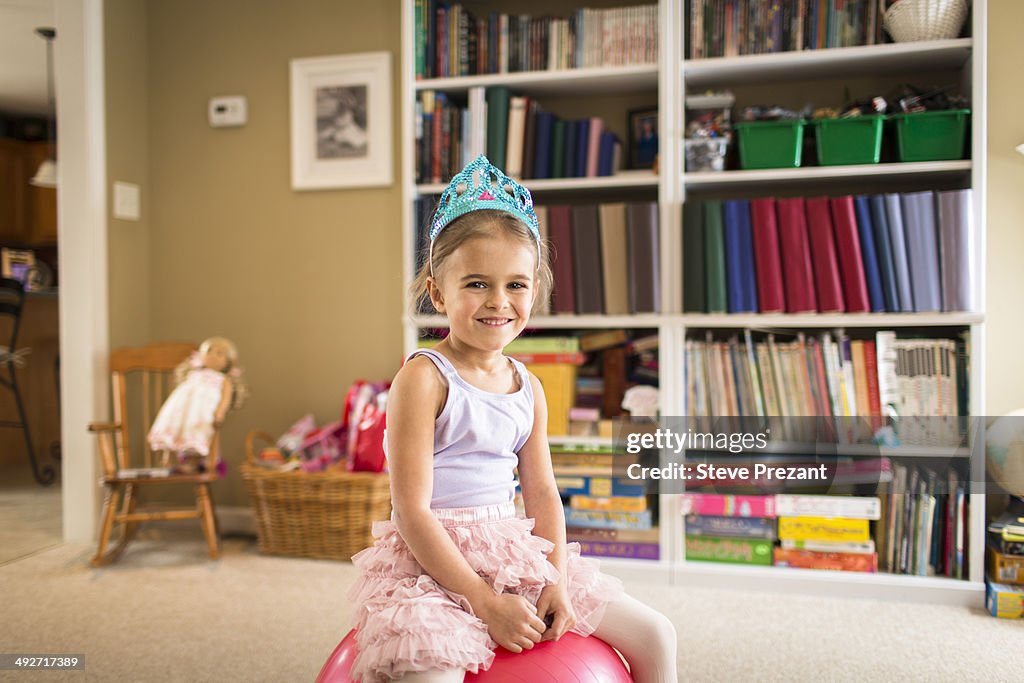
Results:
[572, 659]
[209, 384]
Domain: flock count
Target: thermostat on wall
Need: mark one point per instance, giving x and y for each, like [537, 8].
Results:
[228, 111]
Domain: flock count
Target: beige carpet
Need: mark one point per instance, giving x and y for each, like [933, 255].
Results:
[30, 515]
[165, 612]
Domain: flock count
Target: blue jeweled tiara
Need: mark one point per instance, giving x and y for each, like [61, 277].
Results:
[482, 185]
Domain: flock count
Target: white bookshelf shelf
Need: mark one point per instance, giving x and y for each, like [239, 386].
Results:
[589, 81]
[933, 55]
[622, 179]
[817, 175]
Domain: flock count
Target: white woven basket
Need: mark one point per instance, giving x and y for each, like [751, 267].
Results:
[910, 20]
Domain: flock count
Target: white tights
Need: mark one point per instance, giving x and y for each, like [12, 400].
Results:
[644, 636]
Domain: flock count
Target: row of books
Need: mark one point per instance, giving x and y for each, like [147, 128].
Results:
[727, 28]
[452, 41]
[604, 257]
[833, 376]
[516, 134]
[912, 526]
[909, 252]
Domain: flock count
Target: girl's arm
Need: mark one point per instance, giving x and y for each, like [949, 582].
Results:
[414, 401]
[543, 504]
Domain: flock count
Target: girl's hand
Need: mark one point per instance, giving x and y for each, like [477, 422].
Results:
[512, 622]
[554, 601]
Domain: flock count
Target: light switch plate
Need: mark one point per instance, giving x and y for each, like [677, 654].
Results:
[126, 201]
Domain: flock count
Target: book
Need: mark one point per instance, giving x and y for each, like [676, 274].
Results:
[582, 481]
[729, 550]
[614, 258]
[605, 518]
[644, 257]
[823, 254]
[693, 258]
[714, 247]
[922, 250]
[956, 249]
[883, 244]
[563, 294]
[730, 527]
[848, 252]
[808, 559]
[770, 295]
[807, 528]
[855, 507]
[869, 254]
[738, 243]
[609, 504]
[798, 275]
[725, 505]
[635, 551]
[586, 251]
[497, 124]
[897, 238]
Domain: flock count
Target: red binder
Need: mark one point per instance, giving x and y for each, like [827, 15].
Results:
[767, 260]
[798, 275]
[851, 263]
[563, 296]
[823, 255]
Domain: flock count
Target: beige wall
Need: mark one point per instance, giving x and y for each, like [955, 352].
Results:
[1004, 275]
[127, 100]
[307, 284]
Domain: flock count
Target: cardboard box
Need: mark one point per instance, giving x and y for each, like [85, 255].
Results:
[1005, 568]
[1004, 601]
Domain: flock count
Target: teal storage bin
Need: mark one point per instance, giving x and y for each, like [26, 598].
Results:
[770, 144]
[931, 135]
[854, 140]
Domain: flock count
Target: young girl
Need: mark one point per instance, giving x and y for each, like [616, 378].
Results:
[455, 572]
[209, 383]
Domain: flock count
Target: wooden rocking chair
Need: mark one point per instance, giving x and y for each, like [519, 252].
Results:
[146, 374]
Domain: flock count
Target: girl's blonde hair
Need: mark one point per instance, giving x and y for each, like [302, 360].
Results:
[482, 223]
[232, 371]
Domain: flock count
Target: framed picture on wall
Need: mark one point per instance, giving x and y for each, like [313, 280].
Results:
[643, 138]
[341, 121]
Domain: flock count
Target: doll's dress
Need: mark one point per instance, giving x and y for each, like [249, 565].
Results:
[185, 421]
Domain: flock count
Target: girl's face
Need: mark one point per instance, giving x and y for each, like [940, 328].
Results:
[487, 290]
[216, 358]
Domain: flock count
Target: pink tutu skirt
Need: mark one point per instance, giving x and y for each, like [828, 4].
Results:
[406, 622]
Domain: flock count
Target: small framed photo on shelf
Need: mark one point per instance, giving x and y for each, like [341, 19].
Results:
[341, 121]
[643, 138]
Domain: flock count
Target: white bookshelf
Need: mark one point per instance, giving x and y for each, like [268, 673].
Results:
[670, 78]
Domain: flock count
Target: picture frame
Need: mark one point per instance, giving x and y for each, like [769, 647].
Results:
[643, 137]
[341, 125]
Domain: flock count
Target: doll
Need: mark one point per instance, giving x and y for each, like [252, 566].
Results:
[209, 384]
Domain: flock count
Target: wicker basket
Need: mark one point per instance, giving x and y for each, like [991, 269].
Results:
[910, 20]
[326, 515]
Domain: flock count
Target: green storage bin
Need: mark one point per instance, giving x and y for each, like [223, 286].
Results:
[770, 144]
[931, 135]
[854, 140]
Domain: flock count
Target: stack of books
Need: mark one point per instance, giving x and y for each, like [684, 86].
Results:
[827, 532]
[607, 513]
[731, 529]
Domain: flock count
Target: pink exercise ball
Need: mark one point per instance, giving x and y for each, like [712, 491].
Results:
[571, 659]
